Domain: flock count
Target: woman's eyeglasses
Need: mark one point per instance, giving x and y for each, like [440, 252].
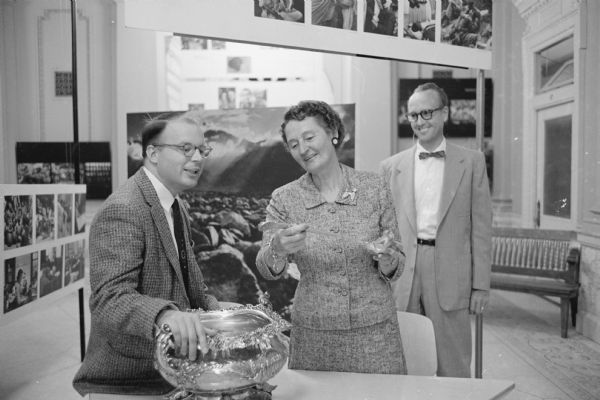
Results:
[426, 115]
[188, 149]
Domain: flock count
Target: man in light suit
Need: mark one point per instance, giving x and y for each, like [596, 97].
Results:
[143, 273]
[443, 206]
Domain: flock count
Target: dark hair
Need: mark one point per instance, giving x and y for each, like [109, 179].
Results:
[155, 127]
[321, 111]
[432, 86]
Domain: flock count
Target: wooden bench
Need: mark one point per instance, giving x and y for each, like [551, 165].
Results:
[538, 261]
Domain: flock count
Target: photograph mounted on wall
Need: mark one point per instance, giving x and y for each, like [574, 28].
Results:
[227, 97]
[52, 162]
[74, 262]
[20, 281]
[467, 23]
[51, 270]
[419, 19]
[339, 14]
[18, 221]
[44, 217]
[381, 17]
[64, 215]
[193, 43]
[285, 10]
[249, 160]
[79, 212]
[239, 65]
[253, 98]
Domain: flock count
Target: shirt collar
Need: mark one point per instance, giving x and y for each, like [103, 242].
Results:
[441, 146]
[164, 195]
[312, 197]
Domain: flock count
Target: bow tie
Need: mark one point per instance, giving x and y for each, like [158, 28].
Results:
[436, 154]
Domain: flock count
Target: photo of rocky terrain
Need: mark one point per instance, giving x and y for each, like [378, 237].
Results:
[248, 162]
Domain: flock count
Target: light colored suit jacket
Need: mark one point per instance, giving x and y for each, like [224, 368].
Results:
[463, 241]
[134, 274]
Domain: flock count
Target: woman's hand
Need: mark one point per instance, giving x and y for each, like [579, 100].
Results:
[289, 240]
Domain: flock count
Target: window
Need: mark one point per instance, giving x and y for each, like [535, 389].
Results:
[554, 66]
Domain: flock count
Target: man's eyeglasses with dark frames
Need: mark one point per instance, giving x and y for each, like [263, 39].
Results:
[426, 115]
[188, 149]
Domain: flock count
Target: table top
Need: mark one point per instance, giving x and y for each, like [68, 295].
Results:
[317, 385]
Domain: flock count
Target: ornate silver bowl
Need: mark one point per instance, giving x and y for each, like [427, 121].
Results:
[248, 350]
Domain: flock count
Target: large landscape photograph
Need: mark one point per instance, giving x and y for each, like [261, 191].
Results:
[248, 162]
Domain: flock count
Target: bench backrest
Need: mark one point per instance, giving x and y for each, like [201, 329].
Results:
[538, 252]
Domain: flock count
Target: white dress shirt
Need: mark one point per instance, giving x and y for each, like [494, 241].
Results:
[429, 178]
[166, 200]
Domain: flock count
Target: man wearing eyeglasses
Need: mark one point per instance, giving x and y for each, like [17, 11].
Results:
[444, 214]
[143, 273]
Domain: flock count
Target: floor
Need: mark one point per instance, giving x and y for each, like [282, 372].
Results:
[40, 353]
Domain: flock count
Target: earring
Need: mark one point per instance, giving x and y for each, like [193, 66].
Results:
[335, 141]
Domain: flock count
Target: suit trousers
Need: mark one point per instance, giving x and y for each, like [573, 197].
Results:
[452, 328]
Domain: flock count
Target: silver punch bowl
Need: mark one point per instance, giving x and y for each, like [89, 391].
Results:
[248, 350]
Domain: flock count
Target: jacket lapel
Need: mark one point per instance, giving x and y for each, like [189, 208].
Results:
[406, 184]
[160, 221]
[454, 170]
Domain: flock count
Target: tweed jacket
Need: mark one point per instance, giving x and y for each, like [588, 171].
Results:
[464, 234]
[340, 285]
[134, 274]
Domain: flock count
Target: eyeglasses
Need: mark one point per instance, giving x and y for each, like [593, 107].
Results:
[426, 115]
[188, 149]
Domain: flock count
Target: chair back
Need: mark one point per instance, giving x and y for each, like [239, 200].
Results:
[418, 341]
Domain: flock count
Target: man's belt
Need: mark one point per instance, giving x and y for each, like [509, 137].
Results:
[426, 242]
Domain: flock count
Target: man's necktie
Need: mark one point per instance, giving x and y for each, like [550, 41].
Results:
[436, 154]
[181, 247]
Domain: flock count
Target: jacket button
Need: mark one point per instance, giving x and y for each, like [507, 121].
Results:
[335, 229]
[343, 272]
[344, 293]
[332, 210]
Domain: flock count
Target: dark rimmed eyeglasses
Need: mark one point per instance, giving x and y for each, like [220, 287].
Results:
[188, 149]
[426, 115]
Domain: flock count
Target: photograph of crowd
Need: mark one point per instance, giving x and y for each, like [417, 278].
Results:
[79, 212]
[44, 217]
[339, 14]
[74, 261]
[287, 10]
[34, 173]
[467, 23]
[381, 16]
[64, 215]
[51, 267]
[253, 98]
[248, 161]
[419, 19]
[18, 221]
[20, 281]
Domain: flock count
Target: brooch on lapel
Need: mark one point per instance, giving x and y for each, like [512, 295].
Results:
[349, 194]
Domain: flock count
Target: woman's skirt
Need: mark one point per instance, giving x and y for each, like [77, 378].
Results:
[375, 349]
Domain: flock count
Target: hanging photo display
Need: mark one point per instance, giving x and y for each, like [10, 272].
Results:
[249, 160]
[285, 10]
[445, 32]
[43, 231]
